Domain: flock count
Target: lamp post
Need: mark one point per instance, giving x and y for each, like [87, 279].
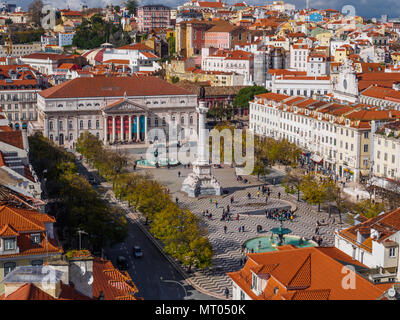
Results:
[80, 238]
[177, 282]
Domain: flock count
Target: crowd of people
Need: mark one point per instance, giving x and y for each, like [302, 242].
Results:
[283, 214]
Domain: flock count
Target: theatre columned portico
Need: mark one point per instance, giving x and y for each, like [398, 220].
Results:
[125, 120]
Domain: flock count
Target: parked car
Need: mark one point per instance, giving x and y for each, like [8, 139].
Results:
[122, 263]
[137, 252]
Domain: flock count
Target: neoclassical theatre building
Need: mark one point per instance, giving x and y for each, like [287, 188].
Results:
[116, 109]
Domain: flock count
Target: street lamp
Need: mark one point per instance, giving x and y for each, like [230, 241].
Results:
[80, 238]
[177, 282]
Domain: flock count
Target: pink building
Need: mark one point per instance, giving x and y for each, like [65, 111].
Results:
[153, 16]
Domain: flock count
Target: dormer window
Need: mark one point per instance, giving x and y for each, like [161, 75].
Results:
[9, 244]
[35, 238]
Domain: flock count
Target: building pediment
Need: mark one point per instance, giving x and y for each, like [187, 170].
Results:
[124, 106]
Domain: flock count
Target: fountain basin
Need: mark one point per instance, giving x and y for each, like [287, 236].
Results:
[268, 246]
[162, 162]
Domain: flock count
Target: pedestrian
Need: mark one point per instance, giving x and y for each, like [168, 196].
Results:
[279, 195]
[225, 228]
[179, 174]
[269, 193]
[248, 195]
[248, 213]
[227, 293]
[317, 230]
[266, 199]
[239, 228]
[231, 199]
[243, 228]
[216, 204]
[134, 167]
[210, 216]
[258, 194]
[176, 200]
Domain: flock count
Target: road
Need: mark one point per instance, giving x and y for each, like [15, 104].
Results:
[147, 270]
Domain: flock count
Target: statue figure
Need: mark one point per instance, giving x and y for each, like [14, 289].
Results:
[202, 93]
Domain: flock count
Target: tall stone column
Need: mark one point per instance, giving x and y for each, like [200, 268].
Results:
[201, 147]
[138, 128]
[113, 128]
[105, 129]
[130, 128]
[145, 127]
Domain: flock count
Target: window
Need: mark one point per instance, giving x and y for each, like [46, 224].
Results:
[51, 125]
[35, 238]
[365, 148]
[97, 124]
[36, 263]
[182, 120]
[69, 124]
[163, 121]
[393, 158]
[9, 244]
[89, 124]
[254, 282]
[81, 124]
[71, 137]
[8, 267]
[392, 252]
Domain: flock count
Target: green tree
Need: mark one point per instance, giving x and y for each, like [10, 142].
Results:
[171, 45]
[35, 9]
[246, 95]
[294, 180]
[132, 6]
[314, 191]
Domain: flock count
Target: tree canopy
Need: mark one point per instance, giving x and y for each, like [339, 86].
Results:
[247, 94]
[95, 31]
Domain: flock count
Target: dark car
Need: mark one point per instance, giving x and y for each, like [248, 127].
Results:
[137, 252]
[122, 263]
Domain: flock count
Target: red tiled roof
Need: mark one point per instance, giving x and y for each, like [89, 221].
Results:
[114, 284]
[13, 138]
[302, 274]
[112, 87]
[135, 46]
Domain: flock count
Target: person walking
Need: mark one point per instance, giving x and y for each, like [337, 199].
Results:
[176, 200]
[258, 194]
[279, 195]
[227, 293]
[317, 230]
[225, 229]
[231, 199]
[216, 204]
[242, 228]
[239, 228]
[179, 174]
[266, 199]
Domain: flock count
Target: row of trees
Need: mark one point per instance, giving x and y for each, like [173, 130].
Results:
[317, 191]
[179, 230]
[75, 204]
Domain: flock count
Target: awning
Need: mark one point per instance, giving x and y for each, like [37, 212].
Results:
[316, 158]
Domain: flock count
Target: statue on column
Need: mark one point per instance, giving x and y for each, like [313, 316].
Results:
[202, 95]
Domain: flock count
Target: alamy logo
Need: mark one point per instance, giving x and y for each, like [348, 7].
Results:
[49, 20]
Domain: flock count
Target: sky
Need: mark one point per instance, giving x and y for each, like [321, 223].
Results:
[364, 8]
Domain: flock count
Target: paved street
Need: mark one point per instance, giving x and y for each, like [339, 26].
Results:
[227, 247]
[146, 271]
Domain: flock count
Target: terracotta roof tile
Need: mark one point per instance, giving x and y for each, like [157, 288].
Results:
[112, 86]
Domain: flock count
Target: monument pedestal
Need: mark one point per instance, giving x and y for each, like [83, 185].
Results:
[201, 182]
